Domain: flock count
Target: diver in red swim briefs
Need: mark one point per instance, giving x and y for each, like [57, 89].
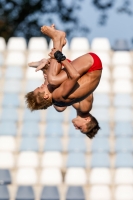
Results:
[71, 85]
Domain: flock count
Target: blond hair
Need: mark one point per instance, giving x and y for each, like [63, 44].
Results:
[37, 102]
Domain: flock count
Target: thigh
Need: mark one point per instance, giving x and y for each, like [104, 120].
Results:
[83, 63]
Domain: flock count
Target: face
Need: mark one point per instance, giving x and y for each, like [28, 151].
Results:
[80, 123]
[41, 89]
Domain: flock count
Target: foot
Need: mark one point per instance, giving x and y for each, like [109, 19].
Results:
[55, 35]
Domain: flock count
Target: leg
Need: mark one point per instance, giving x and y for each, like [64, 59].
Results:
[81, 64]
[57, 36]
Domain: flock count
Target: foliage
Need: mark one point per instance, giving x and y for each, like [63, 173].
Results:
[24, 17]
[105, 5]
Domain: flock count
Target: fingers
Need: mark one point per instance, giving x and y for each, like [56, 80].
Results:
[40, 67]
[33, 64]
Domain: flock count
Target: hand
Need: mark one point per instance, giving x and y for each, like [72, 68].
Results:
[40, 64]
[43, 65]
[51, 54]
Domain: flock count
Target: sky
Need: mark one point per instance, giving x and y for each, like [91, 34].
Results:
[118, 26]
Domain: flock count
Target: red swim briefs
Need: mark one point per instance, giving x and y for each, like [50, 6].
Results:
[97, 65]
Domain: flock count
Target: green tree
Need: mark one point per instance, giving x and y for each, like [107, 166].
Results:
[25, 17]
[104, 5]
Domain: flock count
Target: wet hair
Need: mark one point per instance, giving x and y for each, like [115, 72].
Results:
[92, 127]
[37, 102]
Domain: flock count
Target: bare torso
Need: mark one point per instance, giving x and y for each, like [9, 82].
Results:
[84, 87]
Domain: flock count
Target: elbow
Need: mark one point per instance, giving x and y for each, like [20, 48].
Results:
[76, 76]
[51, 81]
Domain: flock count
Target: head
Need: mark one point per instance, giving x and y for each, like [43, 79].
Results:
[40, 98]
[87, 125]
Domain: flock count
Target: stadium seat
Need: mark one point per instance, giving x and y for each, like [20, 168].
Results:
[106, 74]
[51, 176]
[101, 113]
[121, 58]
[79, 44]
[124, 159]
[100, 160]
[28, 159]
[123, 192]
[103, 87]
[75, 193]
[123, 176]
[72, 114]
[49, 158]
[76, 54]
[29, 144]
[26, 176]
[104, 130]
[53, 129]
[36, 56]
[99, 192]
[123, 114]
[16, 44]
[30, 128]
[75, 176]
[72, 132]
[2, 44]
[76, 145]
[25, 193]
[14, 73]
[37, 44]
[122, 100]
[100, 44]
[122, 72]
[122, 86]
[65, 48]
[33, 75]
[121, 45]
[31, 85]
[123, 128]
[13, 86]
[100, 176]
[53, 115]
[9, 114]
[124, 144]
[8, 128]
[4, 193]
[7, 160]
[76, 160]
[10, 143]
[1, 59]
[101, 100]
[50, 193]
[78, 47]
[10, 100]
[53, 144]
[100, 144]
[0, 73]
[15, 59]
[5, 177]
[31, 116]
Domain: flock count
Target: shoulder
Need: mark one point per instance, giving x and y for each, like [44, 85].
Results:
[86, 104]
[59, 109]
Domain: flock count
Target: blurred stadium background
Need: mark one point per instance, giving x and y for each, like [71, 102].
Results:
[42, 157]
